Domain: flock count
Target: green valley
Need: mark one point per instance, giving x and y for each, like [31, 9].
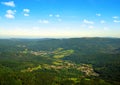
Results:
[74, 61]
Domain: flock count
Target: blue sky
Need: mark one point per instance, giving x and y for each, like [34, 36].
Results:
[59, 18]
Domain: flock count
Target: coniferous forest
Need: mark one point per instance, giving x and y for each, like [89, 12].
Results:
[72, 61]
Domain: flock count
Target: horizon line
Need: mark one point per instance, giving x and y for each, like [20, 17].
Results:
[52, 37]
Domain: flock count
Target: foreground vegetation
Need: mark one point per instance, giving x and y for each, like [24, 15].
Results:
[77, 61]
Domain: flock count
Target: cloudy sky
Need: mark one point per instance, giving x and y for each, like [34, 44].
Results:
[59, 18]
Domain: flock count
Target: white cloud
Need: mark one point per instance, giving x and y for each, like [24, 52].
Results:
[88, 22]
[115, 17]
[57, 15]
[116, 21]
[102, 22]
[105, 28]
[83, 25]
[43, 21]
[26, 15]
[10, 14]
[11, 11]
[91, 27]
[10, 3]
[98, 15]
[26, 10]
[59, 20]
[50, 15]
[36, 28]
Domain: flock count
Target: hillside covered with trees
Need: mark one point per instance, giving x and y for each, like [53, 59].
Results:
[73, 61]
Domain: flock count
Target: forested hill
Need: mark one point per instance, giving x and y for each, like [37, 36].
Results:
[82, 44]
[62, 58]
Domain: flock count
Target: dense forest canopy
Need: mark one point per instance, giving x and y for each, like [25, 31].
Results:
[72, 61]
